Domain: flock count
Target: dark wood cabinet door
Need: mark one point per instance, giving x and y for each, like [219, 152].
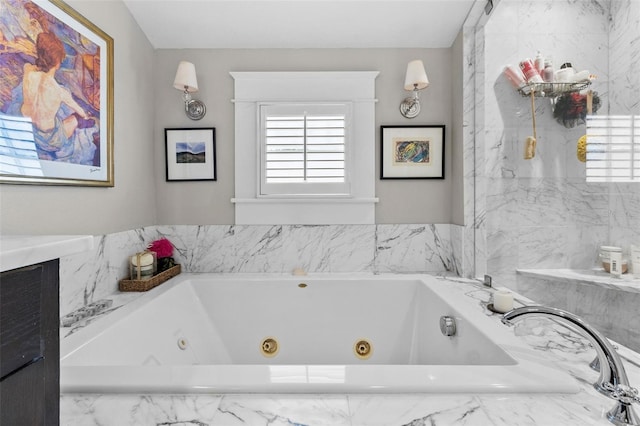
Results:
[22, 396]
[30, 346]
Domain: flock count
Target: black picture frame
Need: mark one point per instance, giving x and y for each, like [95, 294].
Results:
[190, 154]
[412, 152]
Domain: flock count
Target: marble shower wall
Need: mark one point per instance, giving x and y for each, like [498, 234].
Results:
[624, 54]
[624, 84]
[541, 213]
[88, 277]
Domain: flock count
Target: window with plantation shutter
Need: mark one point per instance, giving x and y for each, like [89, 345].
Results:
[304, 149]
[613, 148]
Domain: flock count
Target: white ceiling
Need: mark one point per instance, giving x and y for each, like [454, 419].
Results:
[183, 24]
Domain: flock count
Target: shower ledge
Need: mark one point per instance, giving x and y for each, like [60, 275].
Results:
[596, 277]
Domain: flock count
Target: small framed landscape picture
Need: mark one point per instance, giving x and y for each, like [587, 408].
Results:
[412, 152]
[191, 154]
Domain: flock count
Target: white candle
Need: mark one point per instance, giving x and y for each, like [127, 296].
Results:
[502, 301]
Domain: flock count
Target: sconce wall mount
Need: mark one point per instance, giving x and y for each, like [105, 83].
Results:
[415, 80]
[194, 108]
[186, 81]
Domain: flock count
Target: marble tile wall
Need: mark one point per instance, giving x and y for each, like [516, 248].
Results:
[541, 213]
[608, 304]
[624, 55]
[422, 248]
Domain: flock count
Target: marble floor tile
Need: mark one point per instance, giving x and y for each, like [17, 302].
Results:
[558, 410]
[136, 410]
[416, 410]
[282, 410]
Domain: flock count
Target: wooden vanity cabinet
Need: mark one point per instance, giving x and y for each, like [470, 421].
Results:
[30, 346]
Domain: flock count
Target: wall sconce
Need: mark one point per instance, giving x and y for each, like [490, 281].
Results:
[186, 80]
[415, 80]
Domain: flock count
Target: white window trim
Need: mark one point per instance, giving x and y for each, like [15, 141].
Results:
[254, 88]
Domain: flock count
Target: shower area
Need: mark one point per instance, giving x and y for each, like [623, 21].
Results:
[538, 224]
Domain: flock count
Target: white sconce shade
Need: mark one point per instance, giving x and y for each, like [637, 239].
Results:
[415, 80]
[416, 77]
[186, 77]
[186, 81]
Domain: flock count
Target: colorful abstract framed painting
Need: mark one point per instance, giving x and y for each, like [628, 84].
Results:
[191, 154]
[56, 96]
[412, 152]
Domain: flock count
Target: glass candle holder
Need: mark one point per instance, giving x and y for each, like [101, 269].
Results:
[143, 265]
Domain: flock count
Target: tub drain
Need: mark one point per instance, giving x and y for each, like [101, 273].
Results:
[363, 349]
[269, 347]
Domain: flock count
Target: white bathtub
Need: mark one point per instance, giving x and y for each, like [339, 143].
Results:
[203, 333]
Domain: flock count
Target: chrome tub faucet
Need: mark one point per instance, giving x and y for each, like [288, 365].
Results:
[613, 381]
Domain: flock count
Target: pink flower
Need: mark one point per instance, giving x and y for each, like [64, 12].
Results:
[162, 248]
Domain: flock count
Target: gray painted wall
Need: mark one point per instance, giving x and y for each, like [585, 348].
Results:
[401, 201]
[145, 103]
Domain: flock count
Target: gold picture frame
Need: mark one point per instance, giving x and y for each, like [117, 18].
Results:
[59, 133]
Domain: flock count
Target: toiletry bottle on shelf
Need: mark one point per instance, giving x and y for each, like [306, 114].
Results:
[515, 76]
[547, 72]
[539, 63]
[616, 263]
[605, 256]
[565, 73]
[635, 260]
[530, 72]
[583, 76]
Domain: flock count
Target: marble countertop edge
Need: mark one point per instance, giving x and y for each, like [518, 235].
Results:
[17, 251]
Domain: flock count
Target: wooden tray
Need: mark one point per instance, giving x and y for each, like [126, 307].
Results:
[145, 285]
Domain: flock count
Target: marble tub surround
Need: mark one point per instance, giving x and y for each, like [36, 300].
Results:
[326, 410]
[555, 344]
[117, 300]
[321, 248]
[610, 304]
[410, 248]
[93, 274]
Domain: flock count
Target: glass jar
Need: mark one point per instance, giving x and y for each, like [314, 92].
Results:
[605, 258]
[143, 265]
